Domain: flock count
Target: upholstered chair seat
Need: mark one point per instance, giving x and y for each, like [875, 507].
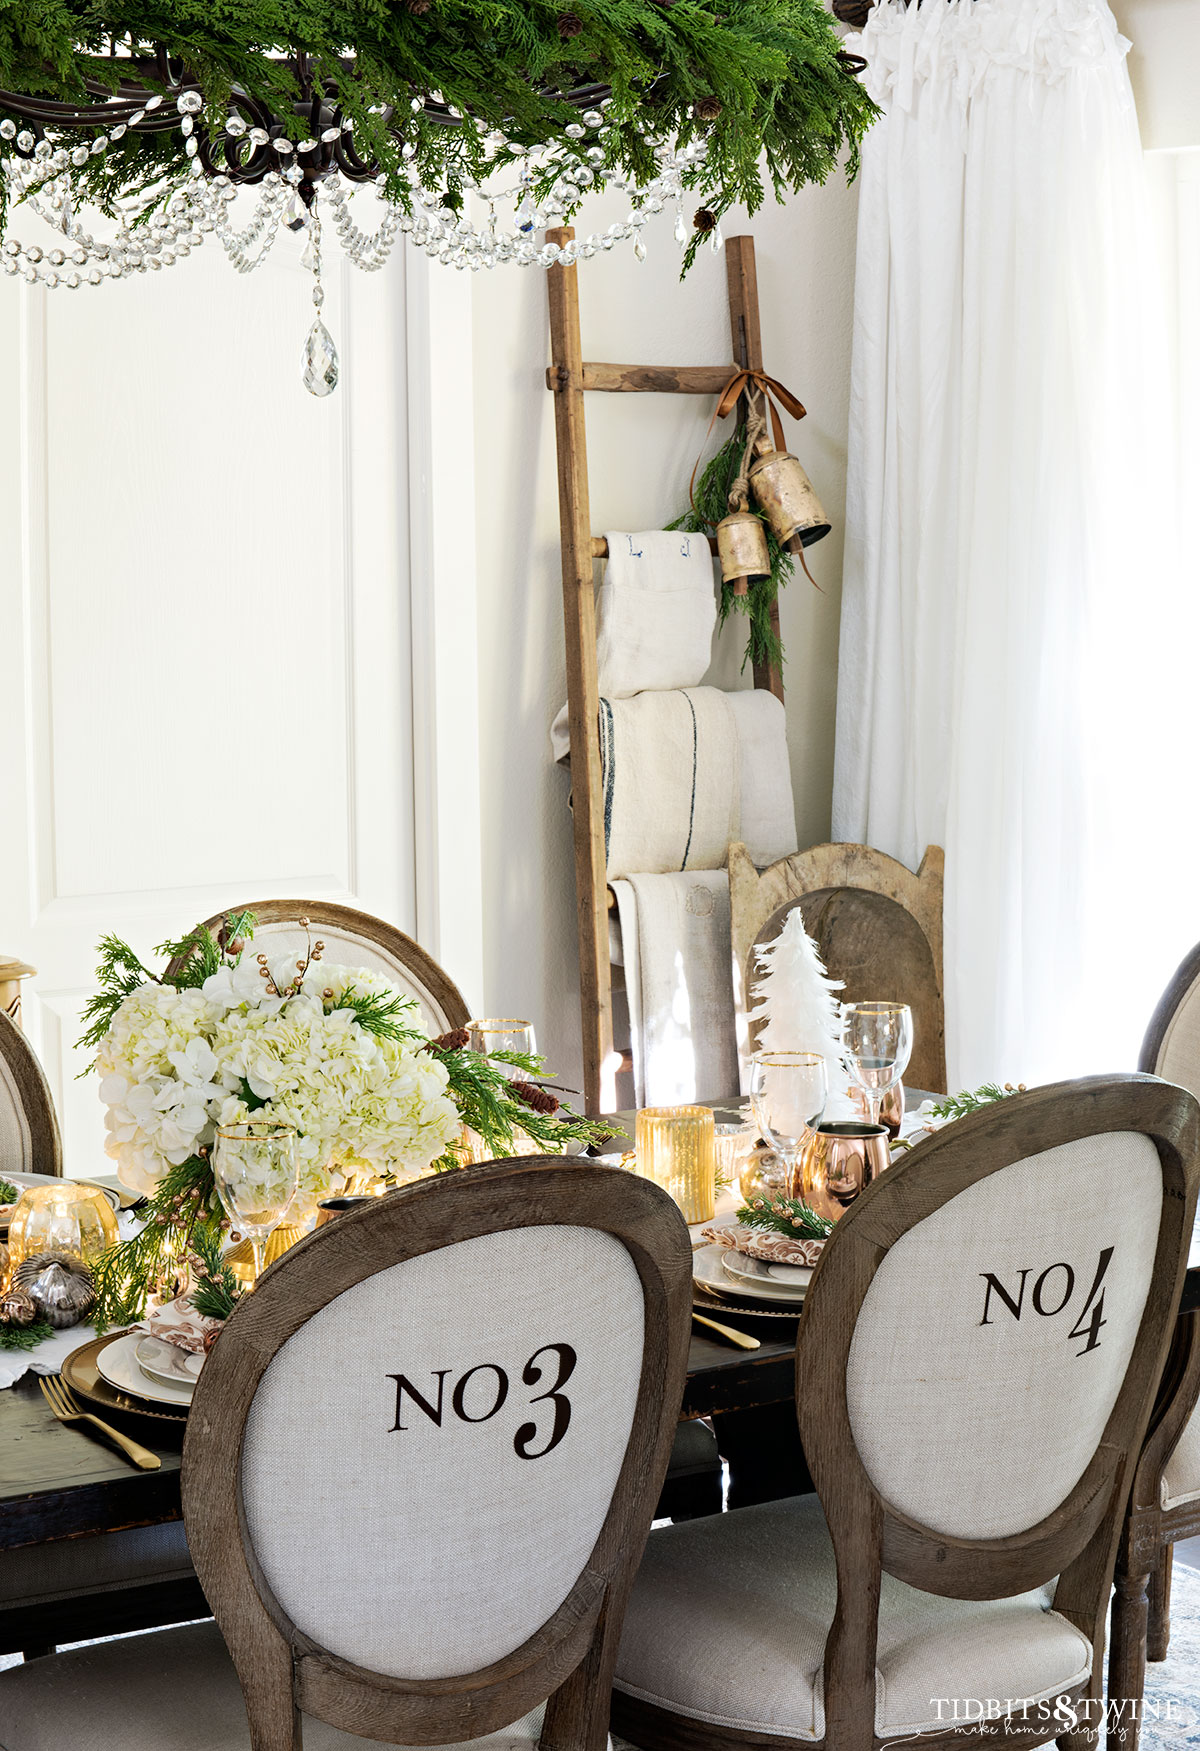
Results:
[171, 1690]
[729, 1618]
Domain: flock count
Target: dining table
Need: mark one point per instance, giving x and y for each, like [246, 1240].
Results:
[56, 1483]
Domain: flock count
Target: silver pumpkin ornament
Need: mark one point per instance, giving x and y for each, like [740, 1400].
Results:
[60, 1285]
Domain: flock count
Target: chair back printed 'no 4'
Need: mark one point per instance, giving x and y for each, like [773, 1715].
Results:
[423, 1458]
[979, 1352]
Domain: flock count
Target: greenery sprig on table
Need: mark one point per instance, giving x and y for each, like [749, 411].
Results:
[711, 503]
[765, 82]
[24, 1337]
[970, 1100]
[184, 1224]
[790, 1216]
[8, 1192]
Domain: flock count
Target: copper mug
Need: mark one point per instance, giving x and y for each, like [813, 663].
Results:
[838, 1161]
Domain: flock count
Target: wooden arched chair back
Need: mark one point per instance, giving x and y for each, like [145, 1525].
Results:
[29, 1136]
[1038, 1422]
[877, 927]
[357, 939]
[423, 1457]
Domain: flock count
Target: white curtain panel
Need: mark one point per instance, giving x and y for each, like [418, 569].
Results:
[1010, 614]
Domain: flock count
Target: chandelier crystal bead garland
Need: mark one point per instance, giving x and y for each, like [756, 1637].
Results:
[476, 123]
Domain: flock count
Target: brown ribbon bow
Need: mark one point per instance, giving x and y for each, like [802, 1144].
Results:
[771, 390]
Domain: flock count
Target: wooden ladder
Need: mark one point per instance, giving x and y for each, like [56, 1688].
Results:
[568, 377]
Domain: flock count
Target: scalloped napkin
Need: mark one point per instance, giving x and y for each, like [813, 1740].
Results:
[759, 1243]
[178, 1323]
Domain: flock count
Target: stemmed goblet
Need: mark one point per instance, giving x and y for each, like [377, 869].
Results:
[877, 1039]
[788, 1091]
[255, 1170]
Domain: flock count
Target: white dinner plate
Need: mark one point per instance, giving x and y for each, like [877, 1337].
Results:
[167, 1363]
[750, 1274]
[118, 1364]
[709, 1272]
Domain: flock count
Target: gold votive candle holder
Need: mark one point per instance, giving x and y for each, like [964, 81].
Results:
[676, 1148]
[62, 1216]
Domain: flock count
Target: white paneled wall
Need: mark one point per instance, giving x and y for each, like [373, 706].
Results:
[205, 663]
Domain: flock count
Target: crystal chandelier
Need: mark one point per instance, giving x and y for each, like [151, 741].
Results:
[302, 182]
[475, 126]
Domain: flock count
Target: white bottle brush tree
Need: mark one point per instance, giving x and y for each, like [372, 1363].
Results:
[798, 1009]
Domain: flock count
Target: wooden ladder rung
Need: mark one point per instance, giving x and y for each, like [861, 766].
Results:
[652, 379]
[600, 545]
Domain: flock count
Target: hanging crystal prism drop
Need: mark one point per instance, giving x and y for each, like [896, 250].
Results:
[320, 372]
[716, 241]
[639, 248]
[681, 230]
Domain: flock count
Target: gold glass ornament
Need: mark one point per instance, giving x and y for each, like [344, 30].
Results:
[63, 1216]
[786, 496]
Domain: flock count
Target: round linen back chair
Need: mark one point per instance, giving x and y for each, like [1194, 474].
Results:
[356, 939]
[975, 1367]
[29, 1135]
[419, 1470]
[1165, 1503]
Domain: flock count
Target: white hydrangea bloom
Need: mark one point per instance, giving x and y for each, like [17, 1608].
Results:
[176, 1065]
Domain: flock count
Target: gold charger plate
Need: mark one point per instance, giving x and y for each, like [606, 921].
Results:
[85, 1380]
[708, 1301]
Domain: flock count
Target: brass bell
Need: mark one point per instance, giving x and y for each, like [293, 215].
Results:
[742, 548]
[786, 495]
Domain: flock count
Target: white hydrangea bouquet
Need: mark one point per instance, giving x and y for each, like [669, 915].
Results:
[336, 1052]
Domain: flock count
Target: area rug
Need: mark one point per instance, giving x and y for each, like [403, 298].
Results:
[1171, 1717]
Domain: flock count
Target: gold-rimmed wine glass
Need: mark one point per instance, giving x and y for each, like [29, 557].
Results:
[788, 1091]
[502, 1034]
[256, 1168]
[877, 1039]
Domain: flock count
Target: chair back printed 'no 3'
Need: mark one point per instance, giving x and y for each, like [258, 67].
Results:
[990, 1327]
[423, 1458]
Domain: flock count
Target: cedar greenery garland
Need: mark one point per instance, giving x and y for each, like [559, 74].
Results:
[764, 81]
[710, 504]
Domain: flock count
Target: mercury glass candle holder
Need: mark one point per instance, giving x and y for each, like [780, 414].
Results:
[63, 1217]
[676, 1148]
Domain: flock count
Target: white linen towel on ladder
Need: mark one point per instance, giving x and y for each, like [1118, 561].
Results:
[679, 984]
[669, 763]
[656, 611]
[766, 803]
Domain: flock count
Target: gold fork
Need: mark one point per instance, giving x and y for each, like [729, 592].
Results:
[65, 1406]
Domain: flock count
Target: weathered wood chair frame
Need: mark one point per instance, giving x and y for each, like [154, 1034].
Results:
[326, 914]
[755, 899]
[37, 1102]
[570, 1659]
[1078, 1540]
[1141, 1614]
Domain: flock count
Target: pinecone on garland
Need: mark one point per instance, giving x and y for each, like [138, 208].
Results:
[569, 25]
[454, 1041]
[705, 220]
[707, 109]
[540, 1100]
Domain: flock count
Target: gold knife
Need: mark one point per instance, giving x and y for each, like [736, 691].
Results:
[729, 1333]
